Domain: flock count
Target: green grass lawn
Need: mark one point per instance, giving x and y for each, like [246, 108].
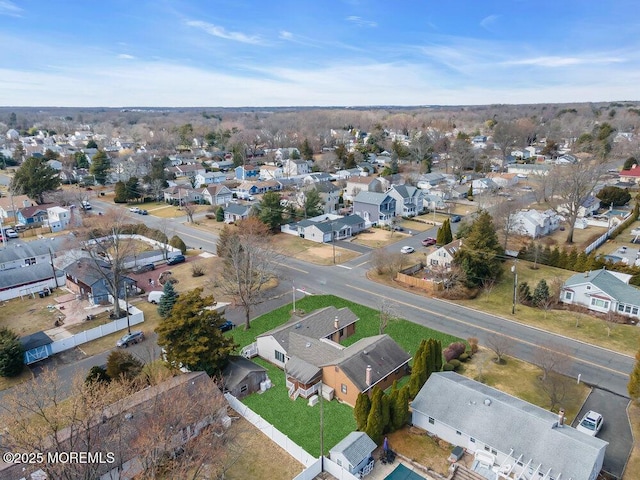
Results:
[294, 418]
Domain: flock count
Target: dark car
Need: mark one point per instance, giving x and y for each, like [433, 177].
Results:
[427, 242]
[143, 212]
[226, 326]
[144, 268]
[455, 218]
[130, 338]
[177, 259]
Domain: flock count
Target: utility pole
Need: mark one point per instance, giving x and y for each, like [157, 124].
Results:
[321, 430]
[515, 287]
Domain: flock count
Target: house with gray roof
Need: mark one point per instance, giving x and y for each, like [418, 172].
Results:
[602, 291]
[353, 452]
[241, 376]
[376, 208]
[234, 212]
[21, 282]
[89, 278]
[442, 258]
[18, 253]
[309, 351]
[504, 433]
[217, 194]
[326, 228]
[409, 200]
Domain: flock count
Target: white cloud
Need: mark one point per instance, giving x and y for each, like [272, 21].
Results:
[286, 35]
[555, 61]
[488, 21]
[10, 9]
[220, 32]
[361, 22]
[126, 56]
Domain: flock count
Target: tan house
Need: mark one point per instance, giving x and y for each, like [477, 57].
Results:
[309, 351]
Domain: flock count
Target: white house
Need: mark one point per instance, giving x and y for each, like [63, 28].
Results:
[58, 218]
[602, 291]
[356, 185]
[481, 185]
[209, 178]
[534, 223]
[271, 172]
[589, 206]
[217, 195]
[443, 256]
[504, 180]
[292, 167]
[504, 433]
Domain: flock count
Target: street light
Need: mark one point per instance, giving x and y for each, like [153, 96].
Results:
[515, 286]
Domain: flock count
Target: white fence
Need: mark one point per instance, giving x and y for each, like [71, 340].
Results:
[135, 317]
[604, 237]
[292, 448]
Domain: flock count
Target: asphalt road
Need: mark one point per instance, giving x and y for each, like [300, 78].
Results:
[596, 366]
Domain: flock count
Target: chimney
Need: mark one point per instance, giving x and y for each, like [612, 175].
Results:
[367, 377]
[561, 418]
[336, 323]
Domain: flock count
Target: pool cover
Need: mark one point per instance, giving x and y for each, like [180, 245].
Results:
[403, 473]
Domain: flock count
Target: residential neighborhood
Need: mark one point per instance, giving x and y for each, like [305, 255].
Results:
[455, 316]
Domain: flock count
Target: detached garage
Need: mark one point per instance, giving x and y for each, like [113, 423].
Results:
[37, 346]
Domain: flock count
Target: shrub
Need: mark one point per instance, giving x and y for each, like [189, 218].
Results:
[473, 344]
[454, 351]
[197, 270]
[456, 363]
[176, 242]
[464, 357]
[447, 367]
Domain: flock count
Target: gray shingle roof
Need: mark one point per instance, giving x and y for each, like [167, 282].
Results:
[237, 370]
[373, 198]
[505, 423]
[380, 352]
[608, 283]
[19, 249]
[27, 275]
[316, 325]
[355, 447]
[237, 209]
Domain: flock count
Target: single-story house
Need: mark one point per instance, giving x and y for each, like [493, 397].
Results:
[587, 208]
[35, 252]
[190, 170]
[631, 175]
[19, 282]
[182, 194]
[443, 256]
[505, 433]
[534, 223]
[602, 291]
[503, 180]
[33, 216]
[353, 452]
[242, 377]
[316, 177]
[325, 228]
[234, 212]
[87, 277]
[217, 194]
[10, 205]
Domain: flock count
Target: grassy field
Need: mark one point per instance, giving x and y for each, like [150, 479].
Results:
[313, 252]
[421, 448]
[29, 315]
[587, 328]
[378, 237]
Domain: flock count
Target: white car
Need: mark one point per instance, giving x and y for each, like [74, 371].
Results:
[591, 423]
[134, 209]
[407, 249]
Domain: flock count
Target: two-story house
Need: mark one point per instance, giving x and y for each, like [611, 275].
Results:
[409, 200]
[356, 185]
[534, 223]
[243, 172]
[271, 172]
[292, 168]
[209, 178]
[329, 193]
[58, 218]
[376, 208]
[217, 195]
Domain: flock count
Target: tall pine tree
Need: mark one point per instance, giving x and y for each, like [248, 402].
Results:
[168, 300]
[375, 422]
[361, 411]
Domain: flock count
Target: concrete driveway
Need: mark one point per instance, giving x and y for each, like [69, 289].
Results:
[615, 429]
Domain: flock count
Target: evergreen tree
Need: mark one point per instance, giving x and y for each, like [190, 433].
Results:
[447, 236]
[120, 190]
[34, 178]
[191, 335]
[403, 404]
[440, 234]
[375, 425]
[312, 204]
[582, 262]
[176, 242]
[418, 370]
[633, 387]
[122, 365]
[480, 255]
[133, 189]
[563, 258]
[11, 353]
[168, 300]
[271, 211]
[524, 293]
[437, 355]
[540, 293]
[470, 192]
[361, 411]
[220, 214]
[100, 165]
[386, 412]
[572, 259]
[306, 150]
[554, 257]
[224, 239]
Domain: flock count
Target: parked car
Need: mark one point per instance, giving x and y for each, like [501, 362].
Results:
[427, 242]
[144, 268]
[591, 423]
[155, 296]
[407, 249]
[143, 212]
[10, 233]
[226, 326]
[398, 228]
[177, 259]
[129, 339]
[134, 209]
[455, 218]
[86, 205]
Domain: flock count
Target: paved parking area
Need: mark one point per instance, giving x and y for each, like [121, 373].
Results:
[615, 429]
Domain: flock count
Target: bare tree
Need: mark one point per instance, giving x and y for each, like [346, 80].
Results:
[505, 135]
[249, 264]
[555, 387]
[501, 345]
[387, 311]
[552, 359]
[575, 185]
[504, 217]
[449, 277]
[189, 209]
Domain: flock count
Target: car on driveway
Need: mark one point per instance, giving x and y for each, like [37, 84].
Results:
[130, 339]
[427, 242]
[177, 259]
[591, 423]
[455, 218]
[134, 210]
[143, 212]
[144, 268]
[407, 249]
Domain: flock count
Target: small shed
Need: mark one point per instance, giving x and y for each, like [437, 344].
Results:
[37, 346]
[353, 453]
[242, 376]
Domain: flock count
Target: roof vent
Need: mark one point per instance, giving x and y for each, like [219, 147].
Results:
[308, 344]
[487, 401]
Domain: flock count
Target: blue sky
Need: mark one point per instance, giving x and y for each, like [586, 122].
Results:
[316, 52]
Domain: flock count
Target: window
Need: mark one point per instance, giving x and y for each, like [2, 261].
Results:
[432, 421]
[634, 310]
[339, 462]
[343, 388]
[596, 302]
[588, 287]
[494, 451]
[341, 332]
[568, 295]
[620, 307]
[627, 309]
[279, 356]
[30, 261]
[486, 447]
